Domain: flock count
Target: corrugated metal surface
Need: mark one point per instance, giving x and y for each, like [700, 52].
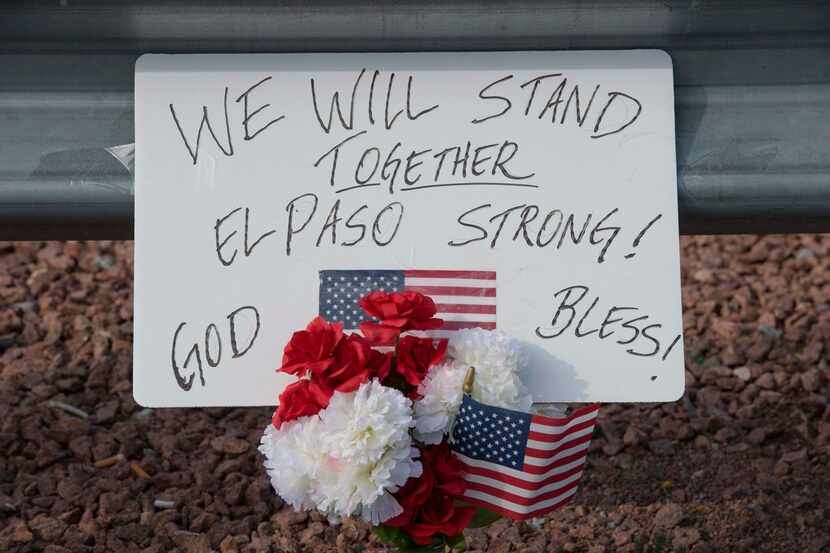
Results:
[753, 91]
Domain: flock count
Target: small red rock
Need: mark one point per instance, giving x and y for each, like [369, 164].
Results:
[668, 516]
[766, 381]
[230, 445]
[795, 456]
[781, 468]
[811, 380]
[685, 537]
[757, 436]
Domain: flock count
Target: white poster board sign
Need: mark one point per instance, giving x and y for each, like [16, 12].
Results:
[535, 190]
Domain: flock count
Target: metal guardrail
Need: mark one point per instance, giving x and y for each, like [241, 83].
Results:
[752, 91]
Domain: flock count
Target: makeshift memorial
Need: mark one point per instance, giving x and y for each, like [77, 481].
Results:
[367, 429]
[541, 183]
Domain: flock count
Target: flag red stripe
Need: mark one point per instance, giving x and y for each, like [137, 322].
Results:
[549, 421]
[453, 291]
[456, 325]
[552, 438]
[568, 459]
[542, 454]
[514, 515]
[517, 499]
[524, 484]
[544, 469]
[465, 308]
[477, 275]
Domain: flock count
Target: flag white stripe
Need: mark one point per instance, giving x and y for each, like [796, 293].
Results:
[467, 317]
[559, 428]
[469, 300]
[518, 474]
[521, 492]
[475, 283]
[437, 334]
[539, 462]
[550, 446]
[520, 509]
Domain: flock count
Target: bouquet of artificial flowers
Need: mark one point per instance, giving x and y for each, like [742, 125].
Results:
[364, 431]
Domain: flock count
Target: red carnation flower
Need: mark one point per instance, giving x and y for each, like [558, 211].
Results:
[440, 515]
[380, 364]
[301, 399]
[416, 355]
[428, 502]
[414, 494]
[312, 349]
[449, 472]
[355, 362]
[397, 312]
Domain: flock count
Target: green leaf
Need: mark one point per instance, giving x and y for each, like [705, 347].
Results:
[392, 536]
[400, 540]
[383, 533]
[432, 548]
[415, 548]
[457, 542]
[483, 518]
[396, 381]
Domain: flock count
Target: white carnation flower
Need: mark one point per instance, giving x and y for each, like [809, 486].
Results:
[349, 459]
[292, 457]
[365, 438]
[365, 490]
[360, 426]
[496, 357]
[441, 393]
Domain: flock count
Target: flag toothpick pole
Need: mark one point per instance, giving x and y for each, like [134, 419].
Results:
[469, 379]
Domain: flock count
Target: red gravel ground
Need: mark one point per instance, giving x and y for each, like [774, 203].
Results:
[739, 464]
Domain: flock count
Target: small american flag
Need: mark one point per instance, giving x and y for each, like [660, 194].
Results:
[464, 299]
[518, 464]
